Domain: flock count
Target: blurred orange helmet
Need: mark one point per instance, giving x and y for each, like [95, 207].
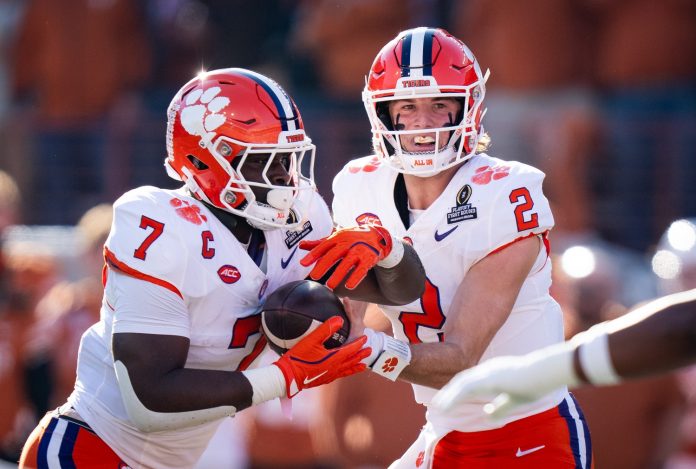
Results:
[425, 63]
[216, 121]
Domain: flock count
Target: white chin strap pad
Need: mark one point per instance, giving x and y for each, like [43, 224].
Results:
[280, 198]
[148, 421]
[265, 217]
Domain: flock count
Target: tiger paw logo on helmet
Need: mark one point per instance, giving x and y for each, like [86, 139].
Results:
[200, 116]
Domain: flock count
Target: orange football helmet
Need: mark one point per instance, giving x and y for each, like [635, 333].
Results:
[216, 121]
[425, 63]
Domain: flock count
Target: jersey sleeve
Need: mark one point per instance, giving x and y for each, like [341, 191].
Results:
[320, 218]
[341, 206]
[144, 241]
[518, 210]
[144, 308]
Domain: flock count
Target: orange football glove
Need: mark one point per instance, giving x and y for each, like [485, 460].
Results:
[358, 248]
[309, 363]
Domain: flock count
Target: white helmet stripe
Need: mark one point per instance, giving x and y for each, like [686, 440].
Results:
[416, 58]
[280, 99]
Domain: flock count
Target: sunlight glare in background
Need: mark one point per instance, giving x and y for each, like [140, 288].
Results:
[578, 261]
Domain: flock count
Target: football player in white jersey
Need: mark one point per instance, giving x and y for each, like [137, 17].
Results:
[656, 337]
[187, 271]
[480, 225]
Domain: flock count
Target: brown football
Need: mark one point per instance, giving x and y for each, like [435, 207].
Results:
[297, 308]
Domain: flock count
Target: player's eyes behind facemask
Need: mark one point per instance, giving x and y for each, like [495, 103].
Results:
[270, 168]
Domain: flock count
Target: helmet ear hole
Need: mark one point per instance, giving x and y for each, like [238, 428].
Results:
[198, 164]
[382, 110]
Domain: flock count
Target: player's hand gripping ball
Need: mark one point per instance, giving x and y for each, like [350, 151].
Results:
[296, 309]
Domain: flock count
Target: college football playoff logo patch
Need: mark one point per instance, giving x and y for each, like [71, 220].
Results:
[463, 210]
[294, 236]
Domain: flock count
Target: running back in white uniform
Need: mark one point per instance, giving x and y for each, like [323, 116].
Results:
[488, 204]
[215, 290]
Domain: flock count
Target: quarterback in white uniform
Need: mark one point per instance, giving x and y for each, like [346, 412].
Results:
[480, 226]
[187, 273]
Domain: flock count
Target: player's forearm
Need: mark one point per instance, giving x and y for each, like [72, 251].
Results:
[659, 336]
[154, 366]
[403, 283]
[187, 389]
[185, 398]
[434, 364]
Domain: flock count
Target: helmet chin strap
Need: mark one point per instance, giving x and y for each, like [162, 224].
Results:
[280, 198]
[279, 201]
[446, 151]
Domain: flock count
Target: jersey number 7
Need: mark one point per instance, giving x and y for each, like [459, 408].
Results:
[157, 230]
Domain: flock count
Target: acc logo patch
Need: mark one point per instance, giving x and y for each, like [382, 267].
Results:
[368, 218]
[229, 274]
[463, 210]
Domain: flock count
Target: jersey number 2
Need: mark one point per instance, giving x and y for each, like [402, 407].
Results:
[527, 204]
[431, 317]
[157, 230]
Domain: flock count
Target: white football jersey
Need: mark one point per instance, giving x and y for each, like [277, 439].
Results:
[171, 239]
[488, 204]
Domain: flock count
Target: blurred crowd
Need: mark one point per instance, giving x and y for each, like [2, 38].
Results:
[599, 94]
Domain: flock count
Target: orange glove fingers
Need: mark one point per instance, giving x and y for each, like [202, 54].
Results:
[324, 332]
[342, 372]
[360, 259]
[342, 270]
[328, 260]
[308, 245]
[317, 252]
[357, 276]
[343, 361]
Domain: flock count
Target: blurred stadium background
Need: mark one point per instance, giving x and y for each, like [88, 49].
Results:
[600, 94]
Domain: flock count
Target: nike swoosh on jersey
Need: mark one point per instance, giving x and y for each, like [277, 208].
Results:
[314, 378]
[521, 453]
[284, 263]
[439, 237]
